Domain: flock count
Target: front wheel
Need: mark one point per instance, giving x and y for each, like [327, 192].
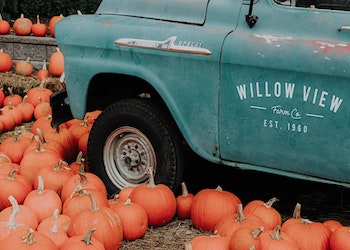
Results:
[128, 137]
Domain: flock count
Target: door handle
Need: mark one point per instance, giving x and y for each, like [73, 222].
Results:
[344, 27]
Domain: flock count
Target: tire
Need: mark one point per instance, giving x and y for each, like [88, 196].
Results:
[128, 137]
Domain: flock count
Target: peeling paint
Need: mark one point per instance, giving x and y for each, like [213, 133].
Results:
[329, 46]
[273, 39]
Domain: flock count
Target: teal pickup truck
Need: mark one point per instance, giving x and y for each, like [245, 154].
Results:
[261, 85]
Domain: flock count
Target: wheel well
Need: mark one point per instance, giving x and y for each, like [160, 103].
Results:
[107, 88]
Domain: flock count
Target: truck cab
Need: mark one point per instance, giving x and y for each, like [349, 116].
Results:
[259, 85]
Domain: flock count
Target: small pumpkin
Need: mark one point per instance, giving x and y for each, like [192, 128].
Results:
[275, 239]
[14, 147]
[43, 73]
[43, 109]
[332, 224]
[39, 28]
[133, 218]
[26, 109]
[158, 200]
[6, 62]
[56, 63]
[24, 68]
[184, 203]
[13, 98]
[22, 26]
[57, 235]
[4, 26]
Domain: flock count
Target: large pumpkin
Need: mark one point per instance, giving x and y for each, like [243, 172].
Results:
[158, 200]
[340, 238]
[104, 220]
[210, 205]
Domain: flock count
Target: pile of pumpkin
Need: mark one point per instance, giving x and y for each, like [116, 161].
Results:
[49, 200]
[24, 27]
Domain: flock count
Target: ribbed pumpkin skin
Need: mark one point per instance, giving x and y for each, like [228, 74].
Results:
[340, 238]
[6, 62]
[22, 26]
[210, 205]
[158, 201]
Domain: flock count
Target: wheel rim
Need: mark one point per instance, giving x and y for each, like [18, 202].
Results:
[127, 154]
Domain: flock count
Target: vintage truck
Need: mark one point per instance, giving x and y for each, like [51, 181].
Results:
[261, 85]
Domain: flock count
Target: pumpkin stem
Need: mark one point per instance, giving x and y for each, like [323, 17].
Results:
[270, 202]
[79, 158]
[39, 144]
[9, 89]
[297, 211]
[188, 246]
[94, 206]
[240, 216]
[77, 191]
[54, 228]
[15, 209]
[41, 188]
[82, 172]
[128, 201]
[56, 213]
[37, 19]
[87, 238]
[256, 232]
[276, 233]
[184, 189]
[59, 166]
[10, 176]
[151, 183]
[219, 188]
[29, 237]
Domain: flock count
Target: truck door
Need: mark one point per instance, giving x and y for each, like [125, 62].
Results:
[284, 91]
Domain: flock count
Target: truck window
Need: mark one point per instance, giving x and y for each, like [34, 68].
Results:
[318, 4]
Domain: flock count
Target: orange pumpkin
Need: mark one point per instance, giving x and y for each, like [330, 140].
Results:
[124, 194]
[39, 94]
[43, 109]
[158, 200]
[79, 201]
[43, 73]
[208, 242]
[26, 109]
[43, 201]
[14, 147]
[104, 220]
[37, 158]
[54, 176]
[62, 221]
[29, 239]
[332, 224]
[24, 68]
[38, 28]
[6, 62]
[16, 185]
[307, 234]
[87, 180]
[265, 211]
[210, 205]
[4, 26]
[245, 238]
[228, 224]
[133, 218]
[24, 214]
[22, 26]
[56, 63]
[340, 239]
[275, 239]
[184, 203]
[81, 242]
[52, 23]
[12, 97]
